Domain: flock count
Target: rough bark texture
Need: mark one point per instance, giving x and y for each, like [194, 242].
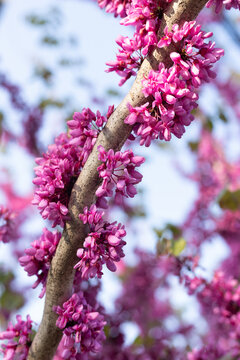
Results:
[113, 136]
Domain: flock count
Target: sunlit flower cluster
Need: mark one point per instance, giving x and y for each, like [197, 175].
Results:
[38, 257]
[82, 327]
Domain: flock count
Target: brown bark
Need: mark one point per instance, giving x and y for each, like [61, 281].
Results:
[113, 136]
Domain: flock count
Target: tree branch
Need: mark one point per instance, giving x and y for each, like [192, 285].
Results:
[113, 136]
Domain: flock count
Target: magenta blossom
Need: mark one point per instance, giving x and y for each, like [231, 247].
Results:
[117, 7]
[174, 91]
[38, 258]
[146, 16]
[103, 245]
[194, 60]
[118, 171]
[7, 225]
[170, 111]
[60, 166]
[82, 326]
[19, 339]
[129, 58]
[228, 4]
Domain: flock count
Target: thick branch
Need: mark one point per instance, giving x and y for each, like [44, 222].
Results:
[113, 136]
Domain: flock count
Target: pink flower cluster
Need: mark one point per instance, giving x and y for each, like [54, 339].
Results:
[60, 166]
[129, 58]
[226, 295]
[118, 170]
[12, 215]
[39, 256]
[6, 224]
[170, 111]
[209, 352]
[82, 326]
[103, 245]
[19, 339]
[174, 90]
[194, 58]
[228, 4]
[213, 174]
[117, 7]
[220, 303]
[146, 16]
[84, 129]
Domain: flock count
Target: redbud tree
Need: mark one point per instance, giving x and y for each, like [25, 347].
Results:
[85, 182]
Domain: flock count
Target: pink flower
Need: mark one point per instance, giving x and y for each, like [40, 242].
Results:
[129, 58]
[227, 3]
[194, 61]
[19, 339]
[82, 326]
[117, 7]
[60, 166]
[146, 16]
[118, 171]
[7, 226]
[165, 40]
[103, 245]
[38, 258]
[173, 90]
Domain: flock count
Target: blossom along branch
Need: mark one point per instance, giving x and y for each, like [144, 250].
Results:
[113, 136]
[69, 175]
